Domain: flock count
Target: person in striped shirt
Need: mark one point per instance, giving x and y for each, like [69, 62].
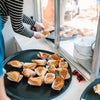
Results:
[14, 9]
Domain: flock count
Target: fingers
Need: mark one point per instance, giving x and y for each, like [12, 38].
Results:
[39, 25]
[42, 27]
[38, 35]
[42, 36]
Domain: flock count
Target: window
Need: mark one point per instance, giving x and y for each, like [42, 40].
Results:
[78, 25]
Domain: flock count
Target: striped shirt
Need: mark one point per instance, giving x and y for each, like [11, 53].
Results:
[14, 9]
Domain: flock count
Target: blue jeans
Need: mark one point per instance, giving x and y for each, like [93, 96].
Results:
[1, 49]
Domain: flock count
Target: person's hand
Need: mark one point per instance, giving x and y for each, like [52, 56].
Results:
[38, 35]
[39, 25]
[5, 97]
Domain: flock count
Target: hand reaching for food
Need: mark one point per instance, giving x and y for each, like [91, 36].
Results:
[38, 35]
[39, 25]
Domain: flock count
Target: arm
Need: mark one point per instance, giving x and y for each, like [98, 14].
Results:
[3, 95]
[4, 19]
[31, 22]
[28, 20]
[15, 8]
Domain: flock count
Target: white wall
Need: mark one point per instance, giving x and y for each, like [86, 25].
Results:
[8, 33]
[28, 7]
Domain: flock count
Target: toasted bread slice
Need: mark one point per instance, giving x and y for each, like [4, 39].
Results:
[39, 62]
[55, 57]
[29, 72]
[97, 89]
[29, 65]
[63, 72]
[70, 33]
[51, 69]
[43, 55]
[41, 70]
[53, 62]
[49, 78]
[15, 63]
[14, 75]
[36, 80]
[45, 33]
[58, 83]
[63, 64]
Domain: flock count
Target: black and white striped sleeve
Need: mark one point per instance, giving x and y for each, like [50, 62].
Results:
[28, 20]
[15, 8]
[4, 19]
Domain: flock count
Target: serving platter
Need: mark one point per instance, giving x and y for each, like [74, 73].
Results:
[23, 91]
[89, 93]
[61, 37]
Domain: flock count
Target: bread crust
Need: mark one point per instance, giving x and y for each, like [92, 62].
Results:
[43, 55]
[15, 63]
[50, 77]
[97, 87]
[55, 57]
[39, 62]
[36, 80]
[14, 75]
[63, 64]
[30, 66]
[59, 82]
[29, 72]
[53, 62]
[41, 70]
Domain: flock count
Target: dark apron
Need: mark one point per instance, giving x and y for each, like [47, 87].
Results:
[1, 48]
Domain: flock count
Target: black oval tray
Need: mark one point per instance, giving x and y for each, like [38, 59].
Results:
[23, 91]
[61, 38]
[89, 93]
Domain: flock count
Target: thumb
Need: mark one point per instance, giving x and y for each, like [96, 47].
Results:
[42, 36]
